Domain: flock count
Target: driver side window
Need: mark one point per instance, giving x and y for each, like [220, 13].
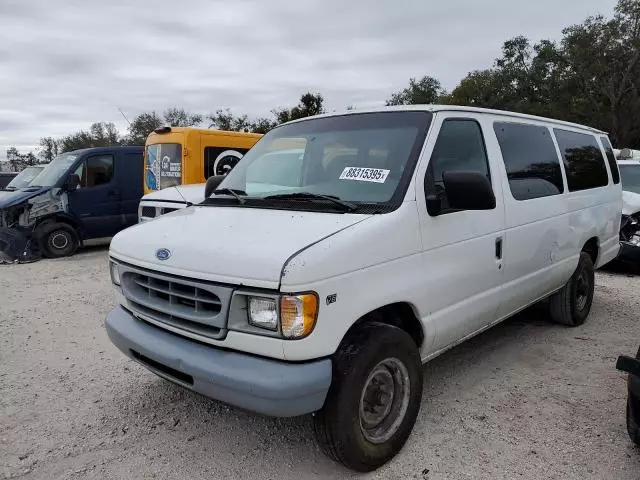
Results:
[459, 147]
[95, 171]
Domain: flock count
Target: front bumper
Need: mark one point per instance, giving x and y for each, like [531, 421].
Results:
[261, 385]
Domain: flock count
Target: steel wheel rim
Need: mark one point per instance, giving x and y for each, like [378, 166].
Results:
[384, 400]
[582, 290]
[55, 242]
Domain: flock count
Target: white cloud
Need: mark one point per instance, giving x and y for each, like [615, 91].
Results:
[67, 64]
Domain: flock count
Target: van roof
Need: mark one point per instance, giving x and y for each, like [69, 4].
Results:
[128, 148]
[208, 131]
[457, 108]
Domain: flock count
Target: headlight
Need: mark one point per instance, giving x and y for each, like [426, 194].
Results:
[263, 313]
[115, 274]
[298, 314]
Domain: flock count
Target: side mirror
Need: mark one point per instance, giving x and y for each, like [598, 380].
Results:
[72, 183]
[212, 184]
[468, 191]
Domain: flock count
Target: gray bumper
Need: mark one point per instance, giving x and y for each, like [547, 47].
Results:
[261, 385]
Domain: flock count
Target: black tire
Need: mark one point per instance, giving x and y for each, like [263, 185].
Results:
[572, 304]
[339, 427]
[58, 240]
[632, 428]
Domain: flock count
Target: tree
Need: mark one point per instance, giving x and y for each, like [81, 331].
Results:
[427, 90]
[100, 134]
[141, 126]
[310, 104]
[17, 161]
[225, 120]
[48, 149]
[590, 76]
[178, 117]
[145, 123]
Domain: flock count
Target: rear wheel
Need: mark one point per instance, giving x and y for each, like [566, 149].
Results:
[374, 398]
[572, 304]
[58, 240]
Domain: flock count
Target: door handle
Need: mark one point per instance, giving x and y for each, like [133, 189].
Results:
[499, 248]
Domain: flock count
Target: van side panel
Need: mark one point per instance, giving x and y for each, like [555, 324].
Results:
[538, 253]
[129, 172]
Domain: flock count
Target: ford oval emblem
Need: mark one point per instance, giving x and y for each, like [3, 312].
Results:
[163, 253]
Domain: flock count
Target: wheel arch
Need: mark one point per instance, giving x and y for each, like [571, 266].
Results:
[592, 247]
[399, 314]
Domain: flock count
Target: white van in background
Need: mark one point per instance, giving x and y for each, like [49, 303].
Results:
[168, 200]
[394, 235]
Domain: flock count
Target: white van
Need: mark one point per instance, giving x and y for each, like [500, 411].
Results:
[322, 285]
[169, 200]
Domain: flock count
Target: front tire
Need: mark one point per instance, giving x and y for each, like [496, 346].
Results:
[374, 398]
[571, 305]
[58, 240]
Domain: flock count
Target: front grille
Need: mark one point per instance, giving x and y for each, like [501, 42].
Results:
[189, 305]
[149, 212]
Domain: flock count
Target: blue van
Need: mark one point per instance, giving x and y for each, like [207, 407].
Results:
[80, 195]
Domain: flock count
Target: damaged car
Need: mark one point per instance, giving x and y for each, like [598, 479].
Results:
[21, 180]
[80, 195]
[630, 224]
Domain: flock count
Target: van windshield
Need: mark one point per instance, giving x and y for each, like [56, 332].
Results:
[163, 165]
[630, 175]
[54, 171]
[24, 178]
[364, 159]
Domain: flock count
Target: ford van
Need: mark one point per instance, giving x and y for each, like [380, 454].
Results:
[319, 280]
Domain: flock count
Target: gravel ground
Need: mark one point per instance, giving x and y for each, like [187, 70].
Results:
[525, 400]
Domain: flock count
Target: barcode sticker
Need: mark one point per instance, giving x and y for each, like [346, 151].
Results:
[376, 175]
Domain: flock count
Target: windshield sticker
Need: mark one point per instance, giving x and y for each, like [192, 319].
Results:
[376, 175]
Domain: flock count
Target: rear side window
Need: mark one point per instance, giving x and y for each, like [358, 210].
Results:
[460, 146]
[583, 160]
[611, 158]
[531, 160]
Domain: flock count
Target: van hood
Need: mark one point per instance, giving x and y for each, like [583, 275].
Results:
[630, 203]
[192, 193]
[11, 198]
[235, 245]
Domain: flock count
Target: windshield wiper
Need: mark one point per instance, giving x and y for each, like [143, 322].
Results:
[230, 191]
[349, 207]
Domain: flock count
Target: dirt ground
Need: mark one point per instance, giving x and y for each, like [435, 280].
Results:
[527, 399]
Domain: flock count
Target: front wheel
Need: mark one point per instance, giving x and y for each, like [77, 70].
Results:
[58, 240]
[374, 398]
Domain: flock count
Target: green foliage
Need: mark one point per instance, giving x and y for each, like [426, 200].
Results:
[146, 122]
[17, 161]
[591, 76]
[310, 104]
[48, 149]
[100, 134]
[425, 91]
[141, 126]
[178, 117]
